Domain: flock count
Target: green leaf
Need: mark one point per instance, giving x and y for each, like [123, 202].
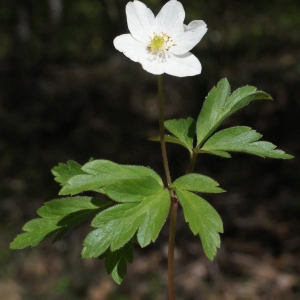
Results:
[63, 172]
[212, 110]
[37, 230]
[197, 183]
[57, 216]
[118, 224]
[140, 171]
[219, 104]
[133, 189]
[100, 173]
[183, 129]
[203, 219]
[259, 95]
[119, 272]
[115, 261]
[242, 139]
[217, 152]
[170, 139]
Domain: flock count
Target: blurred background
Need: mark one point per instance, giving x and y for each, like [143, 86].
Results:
[66, 93]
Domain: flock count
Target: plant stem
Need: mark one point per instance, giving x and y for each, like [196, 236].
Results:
[162, 131]
[173, 218]
[174, 201]
[192, 162]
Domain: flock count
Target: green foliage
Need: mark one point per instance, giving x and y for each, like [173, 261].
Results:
[143, 209]
[63, 172]
[133, 189]
[170, 139]
[139, 203]
[57, 216]
[201, 216]
[197, 183]
[219, 105]
[115, 262]
[118, 224]
[203, 220]
[183, 129]
[241, 139]
[100, 173]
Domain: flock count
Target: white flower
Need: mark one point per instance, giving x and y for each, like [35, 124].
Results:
[161, 44]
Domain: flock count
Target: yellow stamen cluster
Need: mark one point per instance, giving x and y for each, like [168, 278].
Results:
[160, 43]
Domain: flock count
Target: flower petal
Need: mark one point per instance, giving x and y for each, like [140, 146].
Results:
[140, 20]
[132, 48]
[182, 65]
[152, 64]
[191, 36]
[170, 19]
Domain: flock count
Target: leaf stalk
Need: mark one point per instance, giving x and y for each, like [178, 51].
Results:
[174, 201]
[193, 156]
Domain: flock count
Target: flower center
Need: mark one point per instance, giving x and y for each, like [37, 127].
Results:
[160, 43]
[157, 42]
